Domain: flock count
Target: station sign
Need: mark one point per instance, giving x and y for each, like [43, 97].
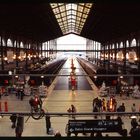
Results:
[88, 126]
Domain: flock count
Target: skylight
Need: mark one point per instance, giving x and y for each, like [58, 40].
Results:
[71, 17]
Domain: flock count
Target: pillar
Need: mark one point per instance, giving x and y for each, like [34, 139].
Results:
[2, 60]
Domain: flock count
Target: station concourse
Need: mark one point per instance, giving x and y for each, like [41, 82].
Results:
[34, 68]
[59, 99]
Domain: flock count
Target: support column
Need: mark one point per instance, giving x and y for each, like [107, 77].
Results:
[108, 57]
[124, 65]
[2, 60]
[97, 52]
[115, 54]
[16, 55]
[26, 59]
[41, 50]
[47, 50]
[104, 56]
[33, 49]
[38, 51]
[138, 56]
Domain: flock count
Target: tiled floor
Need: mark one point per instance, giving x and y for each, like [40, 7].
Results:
[57, 101]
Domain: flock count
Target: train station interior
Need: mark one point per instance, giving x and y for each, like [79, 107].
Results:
[69, 69]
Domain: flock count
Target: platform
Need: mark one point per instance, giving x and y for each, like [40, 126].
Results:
[58, 101]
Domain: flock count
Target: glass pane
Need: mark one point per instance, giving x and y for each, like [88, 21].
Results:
[59, 20]
[74, 6]
[78, 18]
[56, 11]
[73, 16]
[68, 6]
[79, 14]
[73, 12]
[65, 24]
[60, 4]
[73, 24]
[61, 25]
[81, 4]
[76, 25]
[69, 16]
[69, 20]
[63, 32]
[69, 23]
[86, 10]
[58, 16]
[82, 23]
[88, 5]
[80, 8]
[83, 20]
[53, 5]
[63, 14]
[72, 20]
[62, 8]
[64, 19]
[84, 16]
[68, 12]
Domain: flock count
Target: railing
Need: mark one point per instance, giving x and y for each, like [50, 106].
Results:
[98, 75]
[63, 114]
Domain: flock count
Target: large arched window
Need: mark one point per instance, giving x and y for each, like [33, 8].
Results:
[21, 44]
[113, 46]
[29, 46]
[106, 47]
[133, 43]
[121, 45]
[3, 42]
[15, 44]
[9, 43]
[117, 46]
[127, 43]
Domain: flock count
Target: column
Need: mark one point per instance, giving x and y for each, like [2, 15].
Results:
[26, 58]
[108, 57]
[124, 65]
[2, 60]
[115, 54]
[104, 56]
[16, 55]
[47, 50]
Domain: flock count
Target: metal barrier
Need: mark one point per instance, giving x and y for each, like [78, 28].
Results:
[125, 114]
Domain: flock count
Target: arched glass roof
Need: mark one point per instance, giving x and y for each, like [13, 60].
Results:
[71, 16]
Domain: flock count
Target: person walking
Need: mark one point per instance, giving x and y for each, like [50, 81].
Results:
[0, 93]
[18, 130]
[57, 134]
[48, 123]
[103, 105]
[95, 109]
[13, 119]
[122, 107]
[133, 108]
[73, 110]
[134, 123]
[21, 94]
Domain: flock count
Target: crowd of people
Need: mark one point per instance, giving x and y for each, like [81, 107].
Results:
[102, 105]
